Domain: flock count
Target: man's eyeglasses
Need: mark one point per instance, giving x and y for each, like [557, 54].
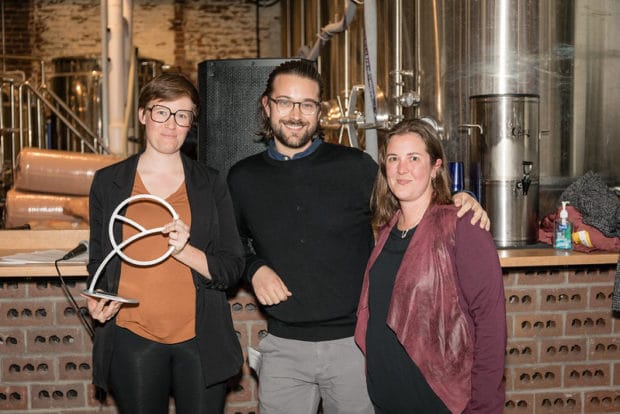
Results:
[161, 114]
[285, 106]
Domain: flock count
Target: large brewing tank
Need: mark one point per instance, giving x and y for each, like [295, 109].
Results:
[447, 51]
[77, 80]
[505, 164]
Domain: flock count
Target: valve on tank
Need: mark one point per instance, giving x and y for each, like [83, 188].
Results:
[524, 183]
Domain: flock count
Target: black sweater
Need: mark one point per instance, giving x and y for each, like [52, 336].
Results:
[309, 220]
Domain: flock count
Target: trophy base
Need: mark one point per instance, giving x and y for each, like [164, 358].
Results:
[110, 296]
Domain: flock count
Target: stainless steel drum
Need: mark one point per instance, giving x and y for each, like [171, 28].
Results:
[504, 164]
[77, 80]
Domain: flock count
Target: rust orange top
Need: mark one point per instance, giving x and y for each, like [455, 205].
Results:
[166, 312]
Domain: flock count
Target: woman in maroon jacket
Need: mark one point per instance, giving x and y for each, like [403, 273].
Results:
[431, 318]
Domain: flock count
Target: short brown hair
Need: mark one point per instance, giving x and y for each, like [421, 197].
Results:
[168, 87]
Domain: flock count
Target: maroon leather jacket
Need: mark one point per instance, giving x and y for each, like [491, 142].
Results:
[448, 309]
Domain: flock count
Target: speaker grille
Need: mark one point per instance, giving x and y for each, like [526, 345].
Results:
[229, 95]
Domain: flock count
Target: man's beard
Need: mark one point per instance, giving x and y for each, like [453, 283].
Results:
[293, 140]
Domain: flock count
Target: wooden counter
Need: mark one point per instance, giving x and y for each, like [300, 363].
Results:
[27, 241]
[21, 241]
[540, 257]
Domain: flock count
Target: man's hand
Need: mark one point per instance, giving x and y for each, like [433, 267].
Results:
[268, 287]
[466, 203]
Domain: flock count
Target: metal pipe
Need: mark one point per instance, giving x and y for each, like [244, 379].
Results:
[319, 59]
[131, 65]
[28, 117]
[2, 154]
[328, 31]
[417, 55]
[370, 97]
[347, 66]
[289, 31]
[129, 108]
[117, 72]
[398, 54]
[105, 97]
[43, 79]
[3, 41]
[13, 135]
[302, 23]
[437, 65]
[41, 132]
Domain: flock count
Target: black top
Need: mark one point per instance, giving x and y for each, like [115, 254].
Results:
[390, 370]
[212, 230]
[309, 220]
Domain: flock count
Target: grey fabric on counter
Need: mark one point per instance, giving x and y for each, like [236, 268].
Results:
[597, 203]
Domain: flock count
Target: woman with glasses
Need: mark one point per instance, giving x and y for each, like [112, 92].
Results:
[178, 340]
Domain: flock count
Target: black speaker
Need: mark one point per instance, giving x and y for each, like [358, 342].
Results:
[229, 98]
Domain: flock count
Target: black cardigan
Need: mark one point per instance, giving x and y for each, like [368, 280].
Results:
[213, 230]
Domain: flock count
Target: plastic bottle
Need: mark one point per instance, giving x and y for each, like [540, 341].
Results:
[563, 230]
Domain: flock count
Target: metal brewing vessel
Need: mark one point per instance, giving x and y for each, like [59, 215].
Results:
[77, 81]
[446, 51]
[505, 166]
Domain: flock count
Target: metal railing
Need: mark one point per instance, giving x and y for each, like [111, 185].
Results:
[30, 114]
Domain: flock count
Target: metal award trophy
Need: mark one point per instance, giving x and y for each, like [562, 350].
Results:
[118, 248]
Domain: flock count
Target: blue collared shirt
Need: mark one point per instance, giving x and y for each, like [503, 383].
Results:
[274, 154]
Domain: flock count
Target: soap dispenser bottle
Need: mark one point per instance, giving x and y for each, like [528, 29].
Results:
[563, 230]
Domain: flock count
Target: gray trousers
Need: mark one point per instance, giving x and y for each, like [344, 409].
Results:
[296, 376]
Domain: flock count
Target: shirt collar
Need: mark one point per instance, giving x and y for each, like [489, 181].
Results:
[274, 154]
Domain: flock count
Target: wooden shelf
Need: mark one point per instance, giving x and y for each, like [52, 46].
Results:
[21, 241]
[26, 241]
[540, 257]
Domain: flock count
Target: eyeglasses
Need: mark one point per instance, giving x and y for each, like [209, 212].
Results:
[285, 106]
[161, 114]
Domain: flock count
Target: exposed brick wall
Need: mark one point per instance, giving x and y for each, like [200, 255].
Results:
[45, 362]
[17, 35]
[45, 353]
[180, 33]
[563, 353]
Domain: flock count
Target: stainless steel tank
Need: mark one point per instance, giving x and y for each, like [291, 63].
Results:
[446, 51]
[505, 164]
[77, 81]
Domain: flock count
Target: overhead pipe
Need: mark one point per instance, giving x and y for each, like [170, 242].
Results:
[105, 99]
[328, 31]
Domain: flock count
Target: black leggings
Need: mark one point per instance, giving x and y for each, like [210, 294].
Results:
[144, 374]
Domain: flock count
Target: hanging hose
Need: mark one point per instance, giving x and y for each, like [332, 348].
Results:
[328, 31]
